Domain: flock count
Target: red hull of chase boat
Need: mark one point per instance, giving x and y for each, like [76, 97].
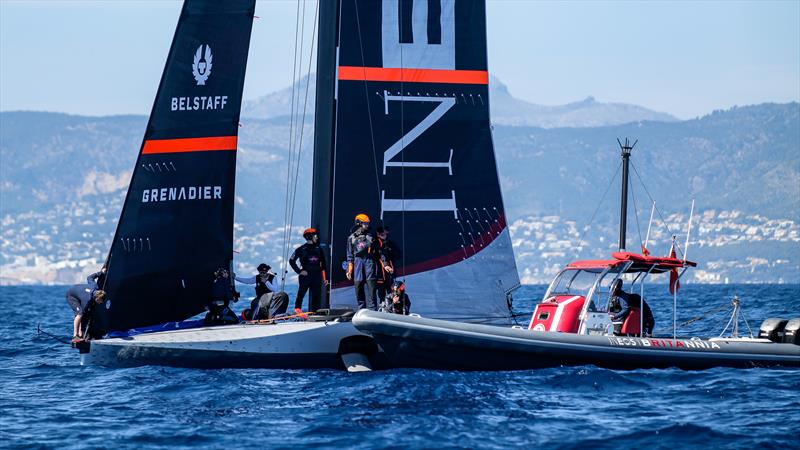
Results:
[438, 344]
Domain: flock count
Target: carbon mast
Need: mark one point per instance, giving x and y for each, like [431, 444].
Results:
[324, 132]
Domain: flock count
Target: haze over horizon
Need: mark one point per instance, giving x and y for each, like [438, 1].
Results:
[686, 59]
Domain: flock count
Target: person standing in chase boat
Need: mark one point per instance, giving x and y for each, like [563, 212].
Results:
[311, 271]
[363, 256]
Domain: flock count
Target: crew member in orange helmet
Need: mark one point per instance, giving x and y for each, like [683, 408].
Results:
[311, 271]
[363, 255]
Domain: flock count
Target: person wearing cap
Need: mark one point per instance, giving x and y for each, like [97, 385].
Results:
[363, 256]
[389, 255]
[310, 271]
[264, 280]
[82, 298]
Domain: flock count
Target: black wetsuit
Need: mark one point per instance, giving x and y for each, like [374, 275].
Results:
[390, 254]
[219, 311]
[79, 298]
[401, 307]
[312, 260]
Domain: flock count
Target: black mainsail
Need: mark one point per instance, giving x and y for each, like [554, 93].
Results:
[413, 149]
[176, 225]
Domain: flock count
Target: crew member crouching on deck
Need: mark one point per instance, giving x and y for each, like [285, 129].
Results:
[397, 301]
[222, 292]
[82, 298]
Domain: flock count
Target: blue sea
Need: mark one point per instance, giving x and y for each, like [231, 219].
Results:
[48, 401]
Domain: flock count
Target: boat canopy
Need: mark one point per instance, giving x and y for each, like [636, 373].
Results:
[641, 263]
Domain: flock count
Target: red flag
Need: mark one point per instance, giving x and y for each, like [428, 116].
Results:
[645, 251]
[674, 282]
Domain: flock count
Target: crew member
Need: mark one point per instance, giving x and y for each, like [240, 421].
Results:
[311, 271]
[265, 284]
[362, 262]
[222, 292]
[619, 301]
[82, 298]
[264, 280]
[622, 302]
[390, 254]
[397, 301]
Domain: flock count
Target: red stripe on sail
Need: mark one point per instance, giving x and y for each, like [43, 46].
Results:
[413, 75]
[481, 242]
[206, 144]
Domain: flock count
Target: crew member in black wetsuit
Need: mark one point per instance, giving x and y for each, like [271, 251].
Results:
[622, 302]
[390, 254]
[82, 298]
[222, 293]
[311, 271]
[363, 257]
[619, 299]
[397, 301]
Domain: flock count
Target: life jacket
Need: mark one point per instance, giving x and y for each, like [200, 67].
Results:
[261, 287]
[362, 244]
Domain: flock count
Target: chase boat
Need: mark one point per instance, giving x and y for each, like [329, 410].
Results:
[572, 327]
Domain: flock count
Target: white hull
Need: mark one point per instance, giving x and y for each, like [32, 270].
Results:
[283, 345]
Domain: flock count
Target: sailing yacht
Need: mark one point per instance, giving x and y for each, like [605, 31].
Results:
[402, 133]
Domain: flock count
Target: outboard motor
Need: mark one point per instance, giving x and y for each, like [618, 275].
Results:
[772, 329]
[791, 333]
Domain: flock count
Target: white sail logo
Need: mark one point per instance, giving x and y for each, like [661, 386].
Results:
[201, 68]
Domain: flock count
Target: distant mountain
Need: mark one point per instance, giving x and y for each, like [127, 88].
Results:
[505, 109]
[63, 179]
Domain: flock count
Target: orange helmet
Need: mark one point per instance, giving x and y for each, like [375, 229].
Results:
[309, 231]
[362, 218]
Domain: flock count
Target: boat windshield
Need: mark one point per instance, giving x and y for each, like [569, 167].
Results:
[573, 282]
[601, 294]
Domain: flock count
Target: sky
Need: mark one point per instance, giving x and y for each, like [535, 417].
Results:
[683, 58]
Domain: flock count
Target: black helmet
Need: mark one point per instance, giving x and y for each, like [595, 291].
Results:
[263, 266]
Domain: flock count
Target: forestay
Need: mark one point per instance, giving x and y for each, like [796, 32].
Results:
[176, 225]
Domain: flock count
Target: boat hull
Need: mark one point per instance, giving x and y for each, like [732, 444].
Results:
[286, 345]
[438, 344]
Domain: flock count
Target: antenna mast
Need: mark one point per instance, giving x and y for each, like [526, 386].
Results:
[623, 212]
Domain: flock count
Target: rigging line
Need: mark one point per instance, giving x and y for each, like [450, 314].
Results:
[284, 265]
[303, 122]
[402, 153]
[331, 203]
[369, 110]
[600, 203]
[295, 148]
[292, 182]
[661, 216]
[636, 216]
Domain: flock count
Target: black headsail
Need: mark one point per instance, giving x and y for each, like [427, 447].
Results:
[176, 225]
[413, 149]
